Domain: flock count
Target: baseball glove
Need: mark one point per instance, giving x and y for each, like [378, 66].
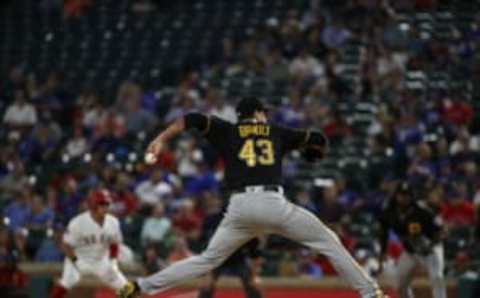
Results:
[316, 147]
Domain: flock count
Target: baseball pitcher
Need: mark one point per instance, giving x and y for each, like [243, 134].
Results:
[252, 150]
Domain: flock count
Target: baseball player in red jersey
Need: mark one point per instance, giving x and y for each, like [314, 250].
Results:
[91, 246]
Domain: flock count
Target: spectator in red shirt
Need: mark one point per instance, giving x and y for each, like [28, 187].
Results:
[457, 111]
[457, 211]
[186, 221]
[336, 128]
[180, 251]
[125, 201]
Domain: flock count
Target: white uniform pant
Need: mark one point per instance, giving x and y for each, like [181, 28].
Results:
[105, 270]
[434, 263]
[255, 213]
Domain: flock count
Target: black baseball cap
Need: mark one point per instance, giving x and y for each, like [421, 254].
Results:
[405, 188]
[247, 106]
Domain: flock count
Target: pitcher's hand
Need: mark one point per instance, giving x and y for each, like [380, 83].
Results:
[153, 150]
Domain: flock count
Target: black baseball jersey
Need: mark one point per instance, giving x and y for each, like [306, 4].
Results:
[418, 226]
[252, 151]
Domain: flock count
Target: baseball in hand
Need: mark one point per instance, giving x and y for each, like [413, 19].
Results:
[150, 158]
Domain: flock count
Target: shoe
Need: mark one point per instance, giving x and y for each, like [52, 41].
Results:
[380, 295]
[130, 290]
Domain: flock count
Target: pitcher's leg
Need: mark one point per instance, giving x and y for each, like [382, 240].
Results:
[226, 240]
[405, 267]
[208, 288]
[250, 288]
[435, 265]
[304, 227]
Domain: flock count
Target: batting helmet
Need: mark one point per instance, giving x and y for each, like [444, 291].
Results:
[100, 197]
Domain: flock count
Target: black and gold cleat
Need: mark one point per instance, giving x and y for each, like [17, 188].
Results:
[130, 290]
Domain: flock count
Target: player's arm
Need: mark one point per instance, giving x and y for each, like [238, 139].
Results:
[189, 121]
[116, 241]
[70, 239]
[68, 251]
[313, 144]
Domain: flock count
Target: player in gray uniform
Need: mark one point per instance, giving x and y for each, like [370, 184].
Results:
[421, 232]
[252, 150]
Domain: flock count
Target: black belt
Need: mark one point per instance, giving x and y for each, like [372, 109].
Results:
[258, 188]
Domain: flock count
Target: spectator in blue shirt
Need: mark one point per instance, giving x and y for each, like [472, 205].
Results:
[204, 180]
[18, 212]
[41, 216]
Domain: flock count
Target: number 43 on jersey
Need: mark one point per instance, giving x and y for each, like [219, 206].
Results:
[249, 155]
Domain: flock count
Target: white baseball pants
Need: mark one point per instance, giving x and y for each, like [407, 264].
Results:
[105, 270]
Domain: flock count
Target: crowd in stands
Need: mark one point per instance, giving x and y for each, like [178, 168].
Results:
[58, 144]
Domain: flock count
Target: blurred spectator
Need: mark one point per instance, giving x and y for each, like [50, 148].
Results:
[153, 190]
[216, 106]
[180, 251]
[68, 201]
[12, 280]
[464, 143]
[187, 155]
[336, 128]
[408, 131]
[93, 110]
[151, 261]
[335, 34]
[303, 199]
[78, 144]
[15, 181]
[389, 68]
[109, 132]
[75, 8]
[54, 101]
[276, 67]
[38, 147]
[330, 210]
[292, 114]
[203, 180]
[143, 6]
[422, 168]
[124, 200]
[457, 111]
[307, 266]
[41, 216]
[49, 250]
[186, 222]
[347, 197]
[15, 81]
[184, 104]
[375, 200]
[156, 227]
[136, 118]
[306, 66]
[457, 211]
[20, 113]
[18, 211]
